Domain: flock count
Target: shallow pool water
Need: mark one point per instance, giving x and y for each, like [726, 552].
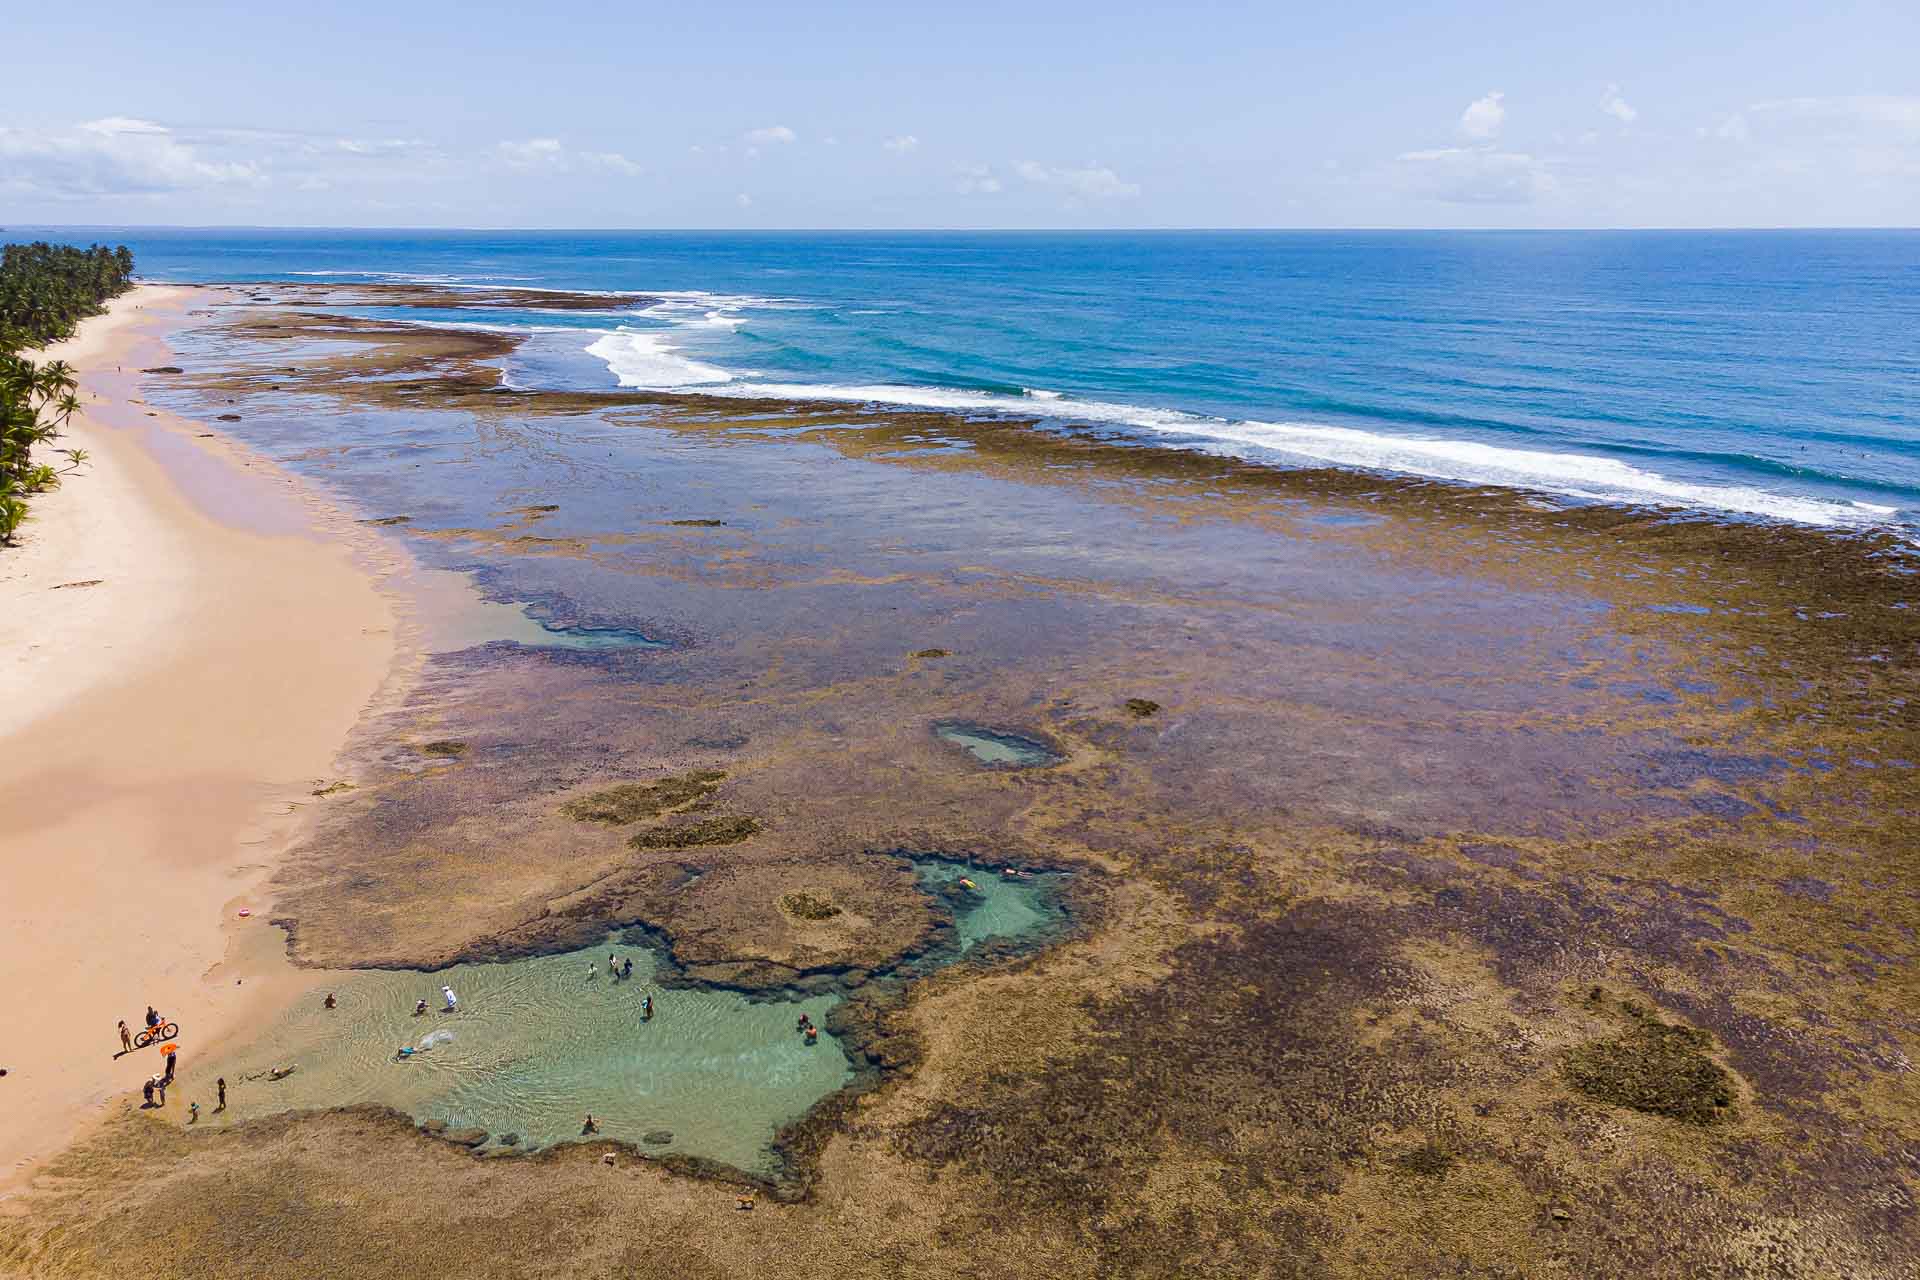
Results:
[993, 747]
[998, 906]
[536, 1044]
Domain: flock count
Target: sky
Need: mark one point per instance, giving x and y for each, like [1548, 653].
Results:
[986, 114]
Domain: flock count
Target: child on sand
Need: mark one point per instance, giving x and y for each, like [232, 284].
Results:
[126, 1038]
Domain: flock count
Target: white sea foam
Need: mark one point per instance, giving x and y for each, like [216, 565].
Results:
[1576, 475]
[644, 360]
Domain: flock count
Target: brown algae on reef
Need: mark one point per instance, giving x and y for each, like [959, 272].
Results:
[807, 906]
[1656, 1067]
[708, 831]
[632, 801]
[446, 747]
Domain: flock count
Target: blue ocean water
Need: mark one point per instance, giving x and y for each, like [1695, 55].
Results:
[1767, 374]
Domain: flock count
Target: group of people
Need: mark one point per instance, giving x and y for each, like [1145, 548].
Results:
[806, 1028]
[616, 967]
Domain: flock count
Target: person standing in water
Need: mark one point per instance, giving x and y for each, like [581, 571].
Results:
[646, 1009]
[453, 1001]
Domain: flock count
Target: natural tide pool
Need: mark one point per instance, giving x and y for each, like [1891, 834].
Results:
[537, 1044]
[996, 748]
[998, 906]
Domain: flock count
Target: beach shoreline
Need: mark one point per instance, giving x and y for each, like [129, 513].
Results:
[189, 637]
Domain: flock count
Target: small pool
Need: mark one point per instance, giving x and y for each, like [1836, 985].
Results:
[995, 748]
[537, 1044]
[998, 905]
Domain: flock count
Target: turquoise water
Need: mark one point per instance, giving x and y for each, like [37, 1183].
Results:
[993, 747]
[998, 906]
[536, 1045]
[1770, 374]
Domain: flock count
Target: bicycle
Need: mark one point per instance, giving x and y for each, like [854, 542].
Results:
[159, 1031]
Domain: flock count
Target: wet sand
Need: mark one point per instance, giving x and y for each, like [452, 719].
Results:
[176, 677]
[1467, 884]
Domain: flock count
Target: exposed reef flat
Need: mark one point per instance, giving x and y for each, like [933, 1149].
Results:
[1410, 789]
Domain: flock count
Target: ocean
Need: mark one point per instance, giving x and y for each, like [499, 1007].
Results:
[1771, 375]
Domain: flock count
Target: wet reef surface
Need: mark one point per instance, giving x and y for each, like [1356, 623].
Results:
[1466, 885]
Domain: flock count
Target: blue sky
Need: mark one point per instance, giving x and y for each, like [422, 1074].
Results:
[964, 115]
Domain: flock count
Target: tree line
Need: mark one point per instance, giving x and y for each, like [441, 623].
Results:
[45, 290]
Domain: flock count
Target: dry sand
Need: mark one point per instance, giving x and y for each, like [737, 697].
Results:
[160, 732]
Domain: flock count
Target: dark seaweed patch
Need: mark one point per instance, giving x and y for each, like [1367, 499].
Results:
[1655, 1067]
[806, 906]
[708, 831]
[632, 801]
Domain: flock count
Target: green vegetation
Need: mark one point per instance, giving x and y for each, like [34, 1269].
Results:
[444, 747]
[1654, 1067]
[44, 291]
[632, 801]
[705, 832]
[806, 906]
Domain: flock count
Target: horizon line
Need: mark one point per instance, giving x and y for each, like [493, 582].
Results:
[947, 230]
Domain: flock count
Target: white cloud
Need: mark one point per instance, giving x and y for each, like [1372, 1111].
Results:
[1484, 116]
[610, 162]
[113, 156]
[976, 179]
[901, 145]
[743, 200]
[534, 153]
[1616, 106]
[1092, 182]
[770, 135]
[113, 125]
[551, 155]
[1475, 175]
[1879, 118]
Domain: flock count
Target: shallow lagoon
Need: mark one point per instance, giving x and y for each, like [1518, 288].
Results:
[537, 1044]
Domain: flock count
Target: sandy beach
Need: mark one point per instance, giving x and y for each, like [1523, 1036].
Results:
[186, 639]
